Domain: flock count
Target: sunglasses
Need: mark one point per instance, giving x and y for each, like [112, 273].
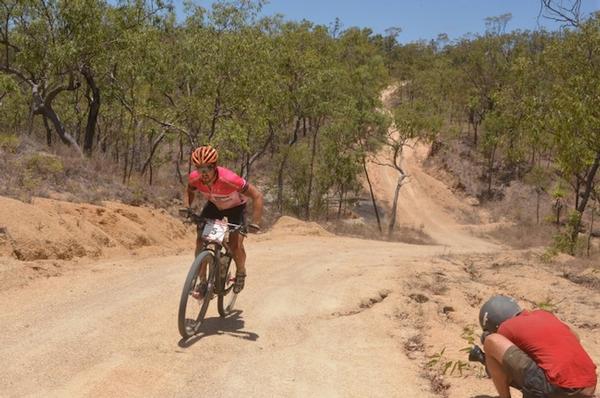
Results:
[205, 169]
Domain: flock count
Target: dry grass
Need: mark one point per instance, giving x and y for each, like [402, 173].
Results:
[370, 231]
[584, 271]
[524, 236]
[33, 170]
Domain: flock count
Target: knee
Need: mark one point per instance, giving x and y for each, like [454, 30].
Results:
[239, 249]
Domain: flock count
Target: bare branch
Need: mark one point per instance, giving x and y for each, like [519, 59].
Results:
[50, 19]
[73, 85]
[555, 11]
[380, 163]
[170, 98]
[170, 126]
[152, 151]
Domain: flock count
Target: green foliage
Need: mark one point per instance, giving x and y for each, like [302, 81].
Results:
[559, 191]
[9, 142]
[443, 365]
[539, 177]
[44, 164]
[565, 241]
[548, 304]
[304, 96]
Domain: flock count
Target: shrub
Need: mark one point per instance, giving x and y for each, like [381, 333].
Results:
[44, 163]
[9, 143]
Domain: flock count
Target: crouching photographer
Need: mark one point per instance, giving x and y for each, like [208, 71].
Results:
[532, 351]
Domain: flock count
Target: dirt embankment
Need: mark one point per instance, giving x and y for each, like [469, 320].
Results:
[50, 229]
[46, 236]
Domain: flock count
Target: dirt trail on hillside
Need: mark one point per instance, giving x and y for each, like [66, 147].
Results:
[426, 204]
[321, 316]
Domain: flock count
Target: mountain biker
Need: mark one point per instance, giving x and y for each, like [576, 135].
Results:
[533, 351]
[226, 194]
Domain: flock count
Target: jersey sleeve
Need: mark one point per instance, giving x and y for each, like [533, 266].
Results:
[193, 179]
[233, 179]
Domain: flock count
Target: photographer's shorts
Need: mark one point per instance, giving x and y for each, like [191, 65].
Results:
[526, 375]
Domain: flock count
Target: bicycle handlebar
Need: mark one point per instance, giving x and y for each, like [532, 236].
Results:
[197, 219]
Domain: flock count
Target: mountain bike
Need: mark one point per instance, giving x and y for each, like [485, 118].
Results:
[210, 275]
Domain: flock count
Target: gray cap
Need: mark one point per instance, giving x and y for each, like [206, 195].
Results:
[496, 310]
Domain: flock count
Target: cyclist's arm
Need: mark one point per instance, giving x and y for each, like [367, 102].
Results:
[257, 202]
[188, 196]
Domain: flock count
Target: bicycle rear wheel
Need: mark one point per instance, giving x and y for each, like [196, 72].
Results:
[194, 303]
[227, 298]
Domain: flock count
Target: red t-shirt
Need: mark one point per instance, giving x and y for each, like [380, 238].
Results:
[225, 192]
[553, 346]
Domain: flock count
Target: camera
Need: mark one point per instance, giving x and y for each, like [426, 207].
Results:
[477, 355]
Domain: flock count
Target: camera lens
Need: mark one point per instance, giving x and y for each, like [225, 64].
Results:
[477, 355]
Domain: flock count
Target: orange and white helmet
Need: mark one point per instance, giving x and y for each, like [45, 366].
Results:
[204, 155]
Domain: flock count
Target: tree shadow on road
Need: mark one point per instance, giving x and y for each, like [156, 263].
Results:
[232, 325]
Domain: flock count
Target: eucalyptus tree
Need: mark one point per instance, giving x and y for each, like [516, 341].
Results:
[363, 124]
[300, 51]
[37, 52]
[573, 119]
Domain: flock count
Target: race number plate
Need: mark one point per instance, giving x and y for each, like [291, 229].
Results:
[214, 231]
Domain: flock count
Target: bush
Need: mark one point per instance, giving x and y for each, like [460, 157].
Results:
[9, 143]
[44, 164]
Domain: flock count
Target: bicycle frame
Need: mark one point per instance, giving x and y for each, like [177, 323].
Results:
[215, 245]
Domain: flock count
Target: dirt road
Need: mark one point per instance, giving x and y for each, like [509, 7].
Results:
[321, 316]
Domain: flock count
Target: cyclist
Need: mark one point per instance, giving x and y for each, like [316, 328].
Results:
[533, 351]
[226, 194]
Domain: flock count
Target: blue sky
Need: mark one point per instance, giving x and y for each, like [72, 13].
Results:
[419, 19]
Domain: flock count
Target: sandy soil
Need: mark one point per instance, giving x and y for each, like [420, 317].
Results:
[90, 308]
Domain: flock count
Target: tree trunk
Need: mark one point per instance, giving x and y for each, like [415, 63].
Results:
[43, 106]
[589, 238]
[577, 188]
[216, 114]
[280, 181]
[339, 212]
[132, 158]
[48, 112]
[491, 170]
[94, 110]
[588, 188]
[48, 131]
[125, 167]
[537, 207]
[312, 168]
[257, 155]
[282, 165]
[395, 204]
[148, 161]
[372, 196]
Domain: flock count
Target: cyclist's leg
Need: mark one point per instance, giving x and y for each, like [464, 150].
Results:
[209, 211]
[236, 243]
[237, 215]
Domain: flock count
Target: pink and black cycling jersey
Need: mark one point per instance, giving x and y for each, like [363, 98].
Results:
[225, 192]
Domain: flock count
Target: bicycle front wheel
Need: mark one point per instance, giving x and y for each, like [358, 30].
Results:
[227, 298]
[197, 292]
